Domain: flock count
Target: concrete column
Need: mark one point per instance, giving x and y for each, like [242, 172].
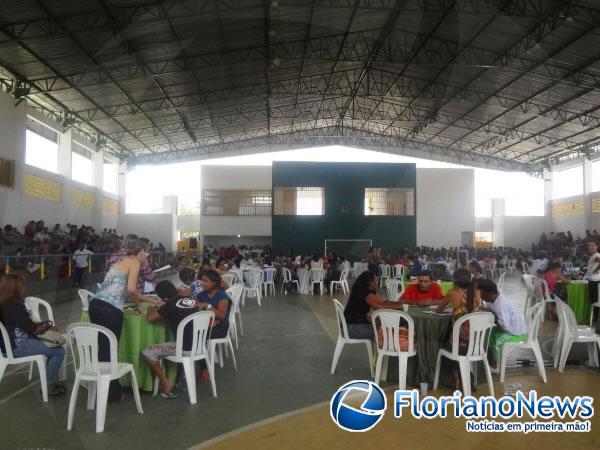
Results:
[547, 174]
[587, 190]
[98, 169]
[498, 213]
[170, 207]
[64, 154]
[121, 185]
[13, 120]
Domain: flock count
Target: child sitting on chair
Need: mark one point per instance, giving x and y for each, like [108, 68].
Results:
[191, 285]
[175, 309]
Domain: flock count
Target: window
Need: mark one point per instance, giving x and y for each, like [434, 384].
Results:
[389, 202]
[110, 175]
[596, 176]
[568, 182]
[299, 201]
[236, 203]
[41, 146]
[483, 236]
[188, 205]
[82, 167]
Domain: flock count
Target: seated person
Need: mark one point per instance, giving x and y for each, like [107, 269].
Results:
[363, 297]
[555, 280]
[190, 284]
[425, 292]
[213, 297]
[511, 326]
[175, 309]
[23, 332]
[476, 270]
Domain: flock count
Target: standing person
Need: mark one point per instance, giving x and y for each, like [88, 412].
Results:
[145, 275]
[106, 306]
[81, 256]
[593, 272]
[23, 332]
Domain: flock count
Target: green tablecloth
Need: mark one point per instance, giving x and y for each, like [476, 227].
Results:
[432, 332]
[577, 298]
[444, 285]
[137, 333]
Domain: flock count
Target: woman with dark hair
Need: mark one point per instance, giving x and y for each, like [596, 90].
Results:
[476, 270]
[23, 331]
[106, 305]
[215, 299]
[463, 298]
[363, 297]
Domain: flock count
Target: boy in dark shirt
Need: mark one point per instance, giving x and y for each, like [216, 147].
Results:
[175, 309]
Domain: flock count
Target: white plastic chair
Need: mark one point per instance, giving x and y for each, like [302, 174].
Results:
[84, 296]
[480, 324]
[34, 304]
[534, 322]
[594, 305]
[390, 323]
[529, 281]
[398, 271]
[254, 286]
[235, 294]
[392, 285]
[317, 277]
[98, 375]
[384, 273]
[200, 323]
[344, 339]
[574, 334]
[525, 267]
[287, 278]
[230, 278]
[268, 280]
[218, 344]
[500, 282]
[9, 359]
[342, 282]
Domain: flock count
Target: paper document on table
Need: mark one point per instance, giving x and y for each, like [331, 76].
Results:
[160, 269]
[446, 312]
[148, 287]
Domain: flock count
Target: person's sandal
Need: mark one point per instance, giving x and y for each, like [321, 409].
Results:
[170, 395]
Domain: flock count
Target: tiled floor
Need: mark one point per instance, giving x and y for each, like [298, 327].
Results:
[283, 365]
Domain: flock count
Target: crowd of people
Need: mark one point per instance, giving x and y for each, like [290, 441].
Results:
[203, 288]
[20, 250]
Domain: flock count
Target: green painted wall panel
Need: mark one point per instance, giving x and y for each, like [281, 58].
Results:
[344, 185]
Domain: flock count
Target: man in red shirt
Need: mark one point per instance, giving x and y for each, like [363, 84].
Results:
[425, 292]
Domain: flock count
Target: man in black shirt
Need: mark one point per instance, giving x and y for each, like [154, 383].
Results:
[175, 309]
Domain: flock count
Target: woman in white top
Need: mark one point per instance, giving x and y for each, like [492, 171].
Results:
[593, 271]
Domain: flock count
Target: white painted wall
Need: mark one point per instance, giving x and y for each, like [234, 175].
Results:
[445, 205]
[484, 224]
[522, 231]
[232, 226]
[17, 209]
[236, 177]
[156, 227]
[575, 224]
[231, 177]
